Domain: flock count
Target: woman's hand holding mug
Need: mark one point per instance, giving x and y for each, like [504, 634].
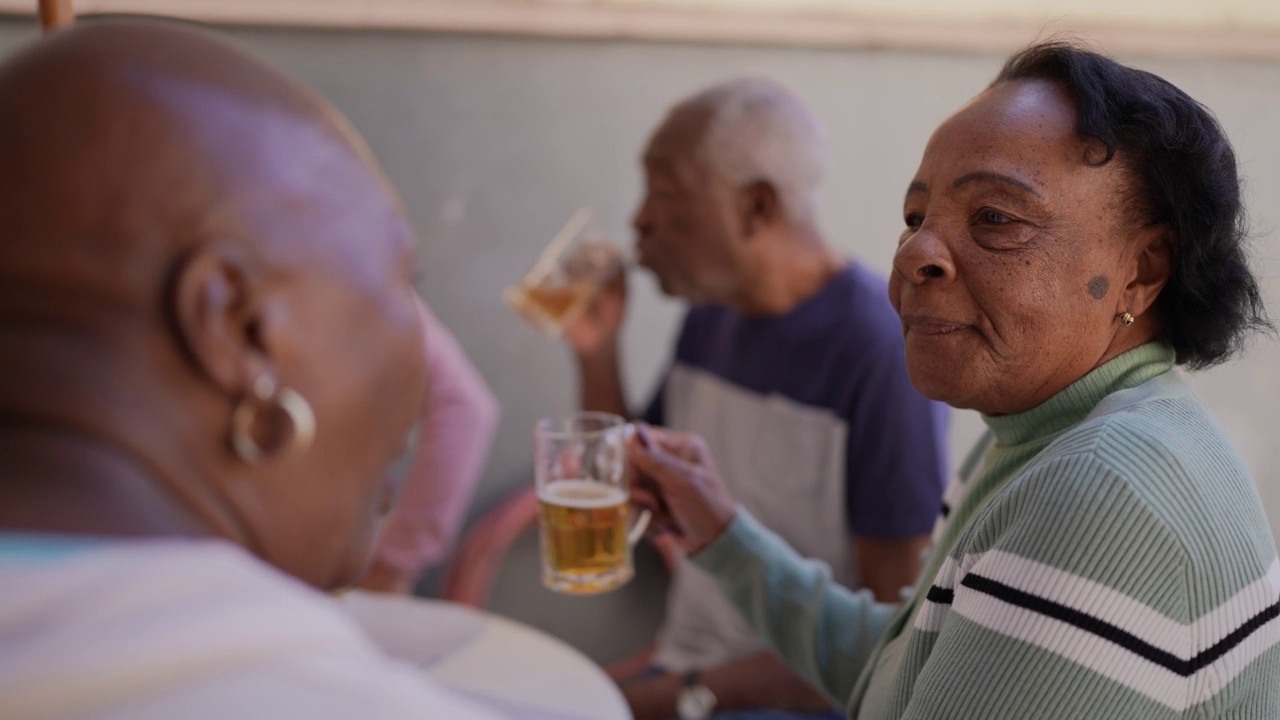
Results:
[676, 479]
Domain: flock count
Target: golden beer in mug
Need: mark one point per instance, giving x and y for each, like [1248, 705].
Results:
[549, 307]
[584, 512]
[584, 533]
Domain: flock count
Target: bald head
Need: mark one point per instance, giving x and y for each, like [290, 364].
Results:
[126, 142]
[187, 235]
[754, 129]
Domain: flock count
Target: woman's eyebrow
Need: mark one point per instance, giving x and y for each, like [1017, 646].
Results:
[997, 178]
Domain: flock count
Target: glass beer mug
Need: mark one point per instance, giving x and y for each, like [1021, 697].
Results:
[585, 531]
[566, 276]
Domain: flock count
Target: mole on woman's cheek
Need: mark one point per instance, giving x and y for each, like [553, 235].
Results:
[1098, 287]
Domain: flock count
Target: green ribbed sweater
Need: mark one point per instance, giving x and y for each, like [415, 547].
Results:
[1105, 555]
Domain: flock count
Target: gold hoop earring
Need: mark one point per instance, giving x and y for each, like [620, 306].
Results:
[301, 420]
[1126, 319]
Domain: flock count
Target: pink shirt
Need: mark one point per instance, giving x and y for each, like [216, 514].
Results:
[458, 424]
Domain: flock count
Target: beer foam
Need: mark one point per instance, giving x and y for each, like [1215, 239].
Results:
[585, 494]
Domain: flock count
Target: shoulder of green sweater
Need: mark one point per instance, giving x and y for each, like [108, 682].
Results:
[1168, 455]
[1159, 429]
[1073, 557]
[1073, 519]
[1129, 502]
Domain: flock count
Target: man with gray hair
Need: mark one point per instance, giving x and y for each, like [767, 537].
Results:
[790, 364]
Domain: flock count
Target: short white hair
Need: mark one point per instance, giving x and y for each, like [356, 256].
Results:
[758, 130]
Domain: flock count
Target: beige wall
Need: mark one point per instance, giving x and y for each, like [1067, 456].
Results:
[1189, 13]
[1226, 28]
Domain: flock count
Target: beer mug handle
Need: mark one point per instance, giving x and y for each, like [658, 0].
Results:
[637, 530]
[642, 520]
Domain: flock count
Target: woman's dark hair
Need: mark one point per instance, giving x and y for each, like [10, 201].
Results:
[1186, 179]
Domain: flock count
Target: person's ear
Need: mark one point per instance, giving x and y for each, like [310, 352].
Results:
[217, 311]
[758, 207]
[1149, 269]
[235, 327]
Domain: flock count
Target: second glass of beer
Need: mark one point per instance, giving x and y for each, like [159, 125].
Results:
[580, 467]
[567, 275]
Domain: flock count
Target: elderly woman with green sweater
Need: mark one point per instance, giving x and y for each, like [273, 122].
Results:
[1072, 234]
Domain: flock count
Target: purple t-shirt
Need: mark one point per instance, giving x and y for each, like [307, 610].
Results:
[839, 354]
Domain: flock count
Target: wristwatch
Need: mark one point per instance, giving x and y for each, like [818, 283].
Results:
[695, 701]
